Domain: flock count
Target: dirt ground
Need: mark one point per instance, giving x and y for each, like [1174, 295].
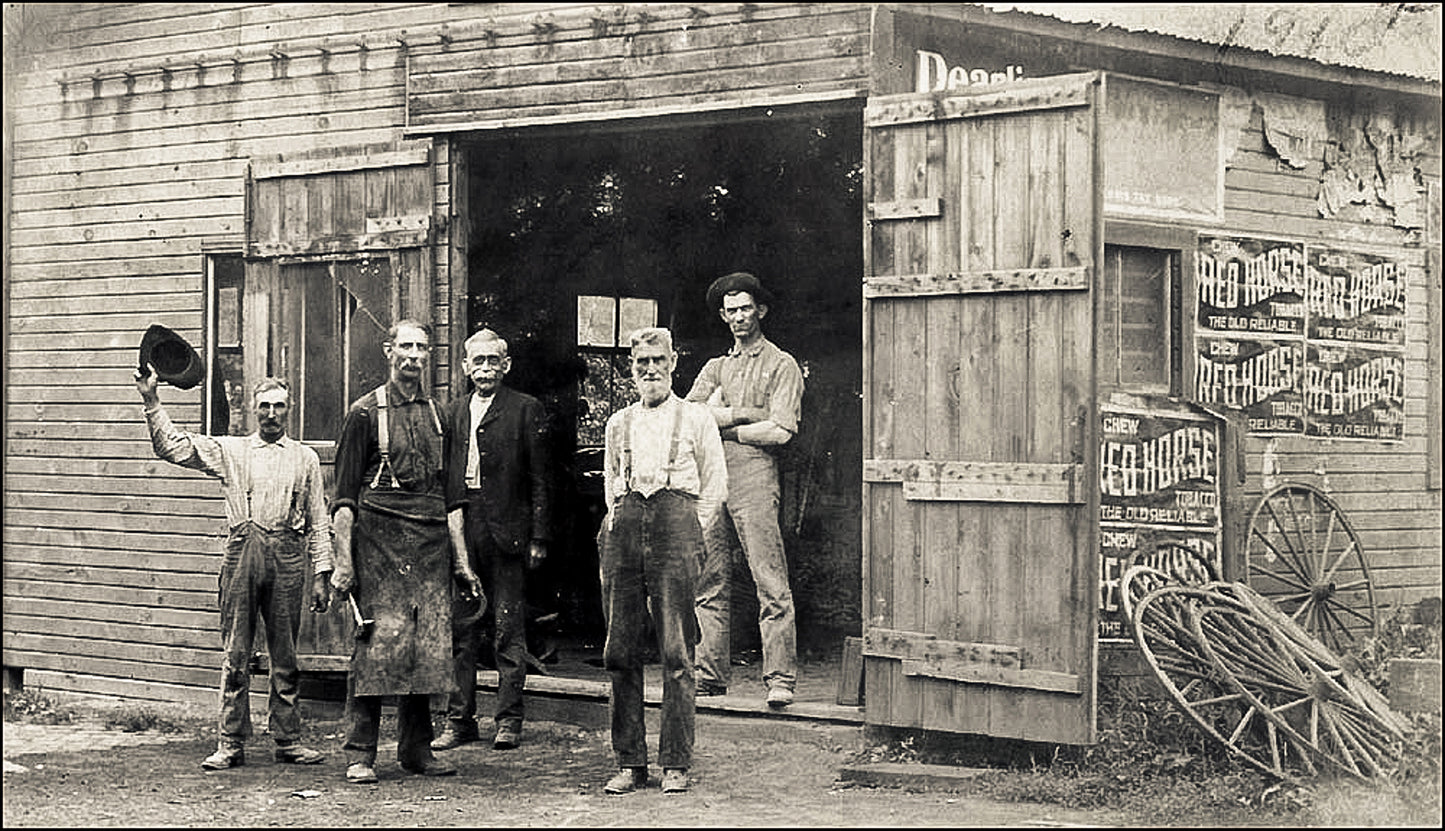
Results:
[746, 773]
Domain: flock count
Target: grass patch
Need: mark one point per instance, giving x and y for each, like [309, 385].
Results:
[34, 708]
[133, 718]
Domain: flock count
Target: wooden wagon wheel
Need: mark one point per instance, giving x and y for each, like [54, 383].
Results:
[1304, 701]
[1162, 628]
[1303, 554]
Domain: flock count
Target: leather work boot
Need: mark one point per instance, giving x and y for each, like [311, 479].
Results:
[360, 773]
[508, 737]
[626, 780]
[674, 780]
[452, 737]
[779, 697]
[226, 756]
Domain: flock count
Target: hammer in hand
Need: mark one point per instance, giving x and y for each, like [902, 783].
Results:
[363, 626]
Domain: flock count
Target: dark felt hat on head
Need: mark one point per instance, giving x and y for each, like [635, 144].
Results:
[175, 361]
[737, 281]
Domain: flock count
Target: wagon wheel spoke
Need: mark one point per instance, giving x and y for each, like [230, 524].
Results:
[1286, 579]
[1294, 559]
[1304, 607]
[1335, 567]
[1305, 549]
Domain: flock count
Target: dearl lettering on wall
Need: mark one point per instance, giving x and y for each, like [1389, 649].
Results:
[935, 75]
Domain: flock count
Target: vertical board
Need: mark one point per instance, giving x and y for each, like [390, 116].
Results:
[998, 377]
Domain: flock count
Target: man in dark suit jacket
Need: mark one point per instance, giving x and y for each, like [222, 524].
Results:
[497, 511]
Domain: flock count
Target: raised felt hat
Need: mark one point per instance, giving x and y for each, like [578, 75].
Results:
[737, 281]
[175, 361]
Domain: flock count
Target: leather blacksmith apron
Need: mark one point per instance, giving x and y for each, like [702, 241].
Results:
[402, 555]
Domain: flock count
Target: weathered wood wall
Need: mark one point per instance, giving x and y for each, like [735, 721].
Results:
[578, 64]
[121, 184]
[1384, 488]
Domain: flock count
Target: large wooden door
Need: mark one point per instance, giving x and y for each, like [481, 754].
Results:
[981, 249]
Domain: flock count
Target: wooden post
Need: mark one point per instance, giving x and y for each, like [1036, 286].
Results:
[850, 679]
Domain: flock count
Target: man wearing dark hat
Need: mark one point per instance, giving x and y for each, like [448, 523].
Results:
[755, 392]
[277, 515]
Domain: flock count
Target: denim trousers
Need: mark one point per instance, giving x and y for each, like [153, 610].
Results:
[750, 514]
[363, 727]
[648, 563]
[263, 573]
[503, 577]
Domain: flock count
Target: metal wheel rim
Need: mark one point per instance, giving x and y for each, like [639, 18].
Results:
[1298, 548]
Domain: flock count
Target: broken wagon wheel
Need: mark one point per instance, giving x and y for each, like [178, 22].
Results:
[1304, 555]
[1305, 704]
[1327, 660]
[1162, 630]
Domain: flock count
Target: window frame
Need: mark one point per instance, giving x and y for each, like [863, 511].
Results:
[1183, 243]
[210, 345]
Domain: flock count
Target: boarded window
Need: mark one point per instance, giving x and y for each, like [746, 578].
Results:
[1136, 338]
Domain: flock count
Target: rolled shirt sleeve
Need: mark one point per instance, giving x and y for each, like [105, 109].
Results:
[712, 470]
[188, 450]
[785, 399]
[318, 534]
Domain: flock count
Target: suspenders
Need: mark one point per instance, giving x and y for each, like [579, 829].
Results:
[627, 445]
[383, 435]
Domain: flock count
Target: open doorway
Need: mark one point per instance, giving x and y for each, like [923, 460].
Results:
[637, 219]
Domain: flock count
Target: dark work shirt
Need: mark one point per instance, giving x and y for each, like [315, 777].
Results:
[413, 485]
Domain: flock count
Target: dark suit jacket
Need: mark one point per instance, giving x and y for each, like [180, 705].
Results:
[512, 451]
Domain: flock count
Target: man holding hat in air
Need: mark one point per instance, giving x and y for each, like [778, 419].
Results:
[279, 533]
[755, 392]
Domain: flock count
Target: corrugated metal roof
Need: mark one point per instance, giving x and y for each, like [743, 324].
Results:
[1396, 38]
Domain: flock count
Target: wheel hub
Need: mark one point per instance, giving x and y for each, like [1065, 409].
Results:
[1322, 591]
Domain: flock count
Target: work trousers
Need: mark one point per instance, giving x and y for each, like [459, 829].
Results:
[263, 573]
[750, 513]
[649, 561]
[503, 576]
[363, 726]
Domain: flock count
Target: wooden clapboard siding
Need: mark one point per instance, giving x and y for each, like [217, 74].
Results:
[594, 62]
[1382, 487]
[119, 190]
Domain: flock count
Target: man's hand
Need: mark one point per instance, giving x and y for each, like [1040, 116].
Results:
[536, 554]
[471, 586]
[343, 580]
[146, 383]
[321, 592]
